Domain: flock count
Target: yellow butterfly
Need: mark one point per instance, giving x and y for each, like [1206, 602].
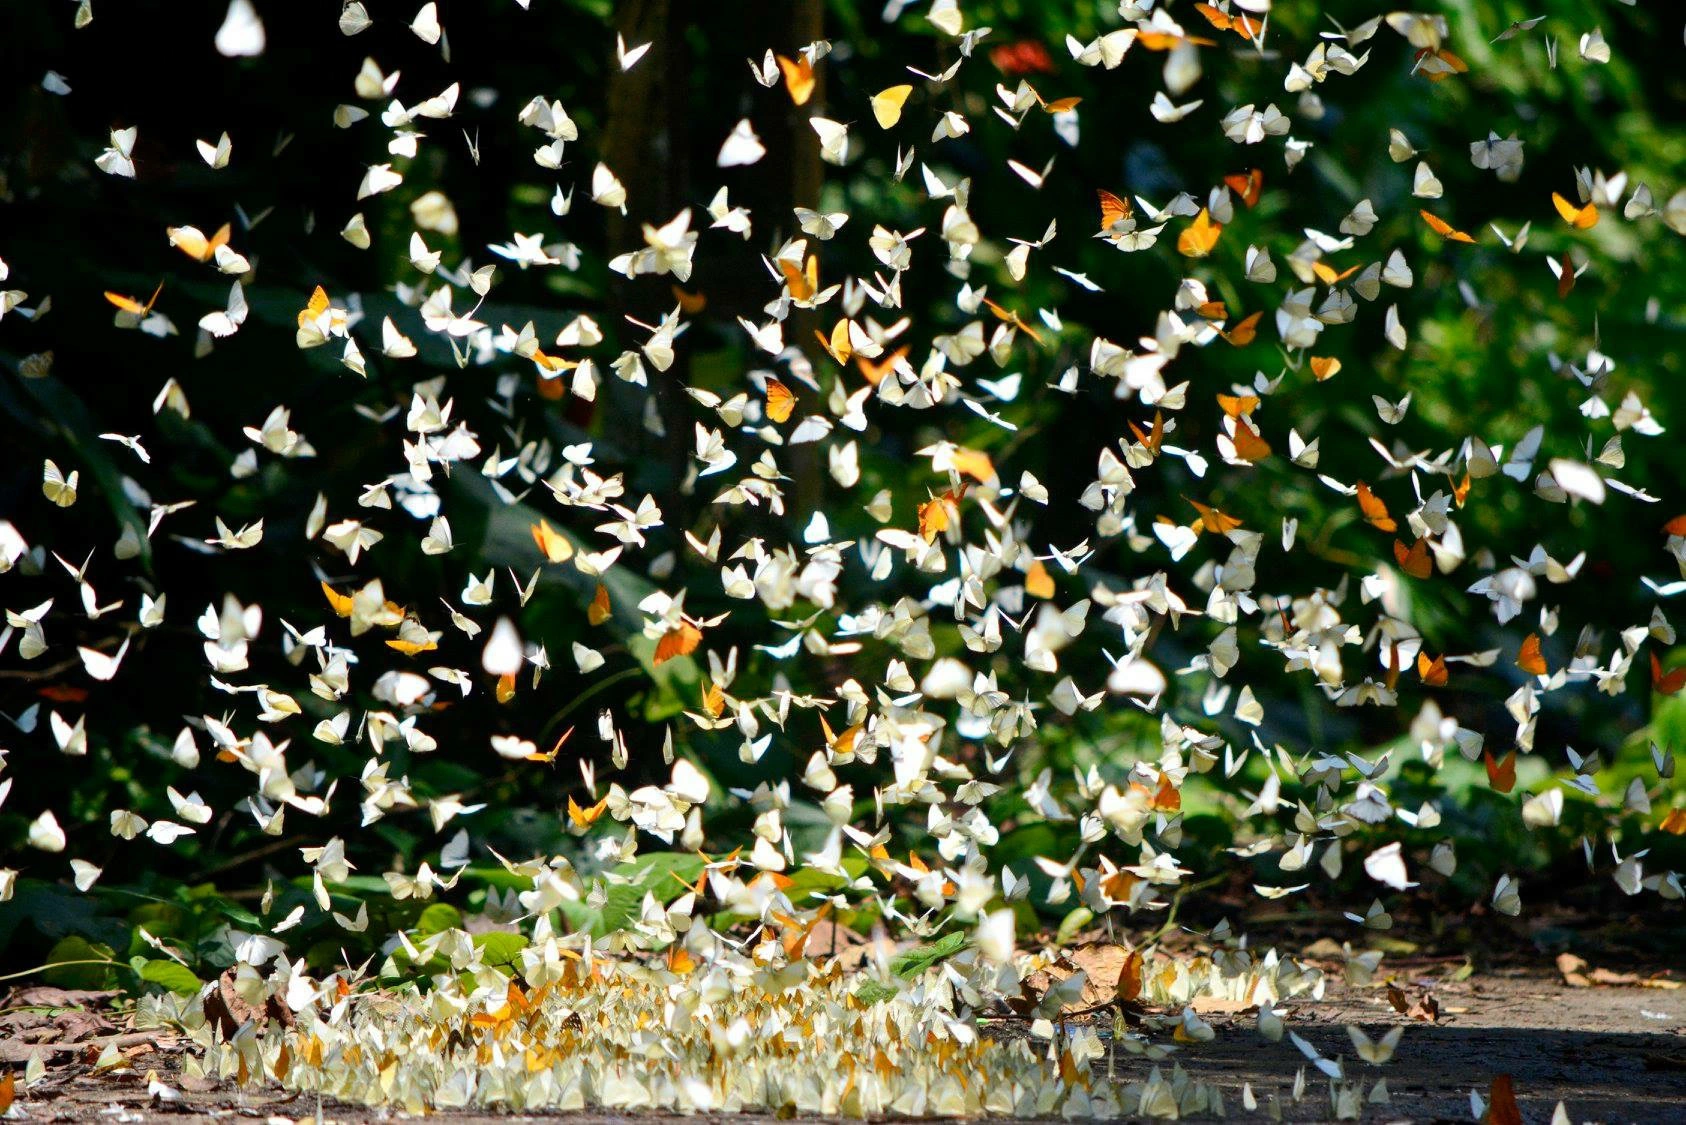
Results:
[887, 105]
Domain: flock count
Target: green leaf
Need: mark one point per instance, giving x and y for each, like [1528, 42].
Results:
[915, 961]
[1072, 923]
[170, 976]
[500, 950]
[64, 970]
[872, 992]
[437, 918]
[663, 874]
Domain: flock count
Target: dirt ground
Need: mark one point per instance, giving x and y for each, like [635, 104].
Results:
[1609, 1053]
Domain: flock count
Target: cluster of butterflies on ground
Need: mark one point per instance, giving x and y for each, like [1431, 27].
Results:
[986, 652]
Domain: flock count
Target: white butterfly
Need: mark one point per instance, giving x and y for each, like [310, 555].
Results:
[834, 139]
[502, 655]
[629, 59]
[216, 155]
[119, 158]
[742, 147]
[1378, 1051]
[426, 24]
[241, 34]
[226, 322]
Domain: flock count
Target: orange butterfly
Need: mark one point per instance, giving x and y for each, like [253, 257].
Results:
[1198, 238]
[974, 463]
[192, 242]
[1156, 437]
[550, 755]
[841, 345]
[841, 744]
[1166, 40]
[552, 544]
[803, 282]
[1460, 492]
[1038, 583]
[1675, 526]
[1058, 105]
[714, 700]
[1249, 445]
[1443, 228]
[681, 640]
[781, 401]
[798, 78]
[1375, 511]
[1413, 560]
[130, 305]
[1114, 209]
[1242, 25]
[338, 602]
[1012, 318]
[1531, 660]
[1578, 217]
[1211, 519]
[598, 611]
[1501, 775]
[1248, 186]
[690, 303]
[1245, 332]
[874, 371]
[1438, 64]
[1327, 275]
[1432, 672]
[1666, 683]
[1565, 275]
[934, 518]
[679, 961]
[1325, 367]
[1237, 405]
[315, 307]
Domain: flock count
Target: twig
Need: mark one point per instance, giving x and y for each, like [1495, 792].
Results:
[125, 1039]
[31, 675]
[43, 968]
[246, 857]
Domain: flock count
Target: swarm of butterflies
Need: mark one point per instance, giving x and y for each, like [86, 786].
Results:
[940, 689]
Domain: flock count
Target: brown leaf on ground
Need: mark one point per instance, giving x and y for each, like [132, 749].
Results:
[46, 996]
[1425, 1007]
[1576, 975]
[1104, 965]
[228, 1010]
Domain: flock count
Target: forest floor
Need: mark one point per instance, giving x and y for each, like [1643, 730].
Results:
[1602, 1030]
[1609, 1053]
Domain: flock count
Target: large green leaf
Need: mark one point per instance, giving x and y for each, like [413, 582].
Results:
[169, 975]
[662, 874]
[72, 963]
[914, 961]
